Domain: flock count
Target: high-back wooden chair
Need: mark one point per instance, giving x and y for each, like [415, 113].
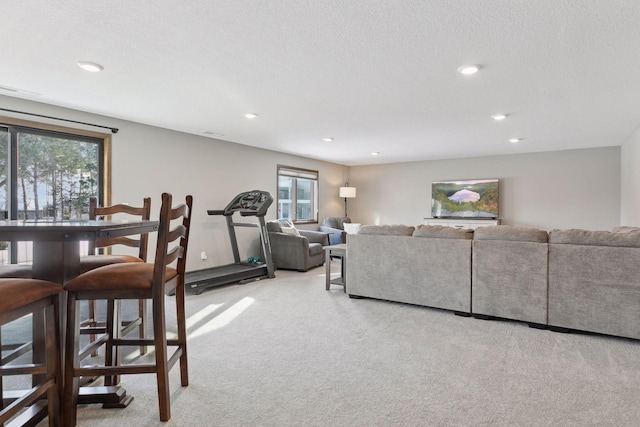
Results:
[140, 242]
[40, 299]
[95, 260]
[117, 282]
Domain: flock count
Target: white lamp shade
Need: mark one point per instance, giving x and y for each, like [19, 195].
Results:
[348, 192]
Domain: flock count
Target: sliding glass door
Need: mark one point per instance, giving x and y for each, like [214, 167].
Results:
[46, 175]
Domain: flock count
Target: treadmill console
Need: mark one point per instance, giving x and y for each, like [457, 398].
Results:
[250, 203]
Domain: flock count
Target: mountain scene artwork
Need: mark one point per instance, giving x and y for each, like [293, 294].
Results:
[465, 199]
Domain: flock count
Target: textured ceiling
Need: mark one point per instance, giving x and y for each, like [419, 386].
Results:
[375, 75]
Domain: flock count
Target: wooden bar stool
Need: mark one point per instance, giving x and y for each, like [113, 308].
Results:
[40, 299]
[97, 258]
[134, 280]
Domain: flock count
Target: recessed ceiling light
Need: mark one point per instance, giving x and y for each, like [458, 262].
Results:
[468, 69]
[375, 153]
[251, 115]
[515, 140]
[90, 66]
[499, 116]
[327, 139]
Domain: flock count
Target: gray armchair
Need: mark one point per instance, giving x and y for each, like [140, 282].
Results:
[335, 227]
[294, 249]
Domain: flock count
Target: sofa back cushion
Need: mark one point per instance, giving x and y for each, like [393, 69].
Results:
[387, 230]
[443, 232]
[507, 232]
[625, 229]
[595, 238]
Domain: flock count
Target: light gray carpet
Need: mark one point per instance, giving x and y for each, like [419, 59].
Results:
[285, 352]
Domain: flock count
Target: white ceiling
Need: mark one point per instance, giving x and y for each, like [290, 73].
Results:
[376, 75]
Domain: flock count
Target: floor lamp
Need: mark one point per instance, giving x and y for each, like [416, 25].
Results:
[348, 193]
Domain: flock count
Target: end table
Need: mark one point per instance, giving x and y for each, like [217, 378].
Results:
[337, 251]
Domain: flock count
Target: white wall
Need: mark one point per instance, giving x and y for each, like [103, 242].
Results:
[148, 161]
[630, 181]
[562, 189]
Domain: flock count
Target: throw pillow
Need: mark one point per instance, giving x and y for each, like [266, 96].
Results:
[290, 230]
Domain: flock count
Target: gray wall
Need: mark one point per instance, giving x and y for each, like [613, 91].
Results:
[562, 189]
[148, 161]
[630, 181]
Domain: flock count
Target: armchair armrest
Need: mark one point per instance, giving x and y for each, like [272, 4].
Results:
[315, 236]
[336, 236]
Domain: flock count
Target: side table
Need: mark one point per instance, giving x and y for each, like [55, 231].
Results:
[337, 251]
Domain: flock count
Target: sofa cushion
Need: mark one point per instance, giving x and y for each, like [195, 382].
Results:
[443, 232]
[595, 238]
[507, 232]
[387, 230]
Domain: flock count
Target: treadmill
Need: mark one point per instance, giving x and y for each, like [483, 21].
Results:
[253, 203]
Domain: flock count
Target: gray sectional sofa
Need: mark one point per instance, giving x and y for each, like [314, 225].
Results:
[594, 281]
[565, 279]
[509, 273]
[425, 265]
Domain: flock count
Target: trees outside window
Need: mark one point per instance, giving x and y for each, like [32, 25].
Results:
[46, 175]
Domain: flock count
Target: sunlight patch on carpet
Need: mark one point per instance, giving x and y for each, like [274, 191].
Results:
[221, 320]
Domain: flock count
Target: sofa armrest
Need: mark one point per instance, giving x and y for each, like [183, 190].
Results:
[315, 236]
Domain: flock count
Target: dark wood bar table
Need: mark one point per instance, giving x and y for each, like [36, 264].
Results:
[56, 244]
[56, 257]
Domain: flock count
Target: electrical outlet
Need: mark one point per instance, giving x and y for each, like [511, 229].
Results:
[203, 255]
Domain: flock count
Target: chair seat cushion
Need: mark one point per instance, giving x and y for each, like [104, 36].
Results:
[131, 275]
[16, 293]
[90, 262]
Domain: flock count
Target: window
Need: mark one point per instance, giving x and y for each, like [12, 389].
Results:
[48, 173]
[297, 194]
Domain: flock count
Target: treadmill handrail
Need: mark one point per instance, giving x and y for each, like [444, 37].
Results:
[215, 211]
